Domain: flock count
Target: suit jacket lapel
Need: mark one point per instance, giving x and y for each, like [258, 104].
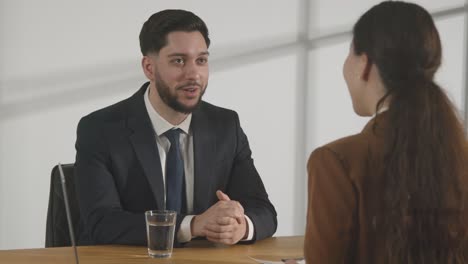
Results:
[144, 143]
[204, 149]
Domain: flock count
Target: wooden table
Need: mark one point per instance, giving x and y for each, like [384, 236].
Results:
[198, 252]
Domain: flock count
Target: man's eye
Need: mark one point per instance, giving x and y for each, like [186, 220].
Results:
[178, 61]
[202, 60]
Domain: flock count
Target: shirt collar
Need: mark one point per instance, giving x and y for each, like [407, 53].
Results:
[161, 125]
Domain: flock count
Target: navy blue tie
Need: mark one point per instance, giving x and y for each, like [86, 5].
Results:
[175, 193]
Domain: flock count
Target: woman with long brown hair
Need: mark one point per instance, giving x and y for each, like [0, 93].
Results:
[398, 191]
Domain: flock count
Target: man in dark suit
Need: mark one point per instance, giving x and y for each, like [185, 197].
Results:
[164, 148]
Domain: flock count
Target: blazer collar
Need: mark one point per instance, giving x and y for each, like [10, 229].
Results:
[143, 141]
[377, 125]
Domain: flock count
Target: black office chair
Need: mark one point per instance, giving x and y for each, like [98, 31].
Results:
[57, 233]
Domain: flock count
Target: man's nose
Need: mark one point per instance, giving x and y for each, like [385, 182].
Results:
[192, 71]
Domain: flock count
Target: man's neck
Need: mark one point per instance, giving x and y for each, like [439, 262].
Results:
[166, 112]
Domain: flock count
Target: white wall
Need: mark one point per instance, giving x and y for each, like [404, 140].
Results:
[60, 60]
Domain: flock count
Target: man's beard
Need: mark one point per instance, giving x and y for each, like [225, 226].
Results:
[172, 99]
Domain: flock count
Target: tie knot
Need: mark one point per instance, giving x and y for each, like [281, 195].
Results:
[173, 135]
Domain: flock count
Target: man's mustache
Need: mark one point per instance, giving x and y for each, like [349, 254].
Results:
[189, 84]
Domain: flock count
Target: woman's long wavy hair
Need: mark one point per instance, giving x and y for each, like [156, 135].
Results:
[423, 217]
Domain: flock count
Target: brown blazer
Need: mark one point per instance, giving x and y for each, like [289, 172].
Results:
[344, 197]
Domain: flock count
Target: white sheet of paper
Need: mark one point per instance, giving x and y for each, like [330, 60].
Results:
[274, 262]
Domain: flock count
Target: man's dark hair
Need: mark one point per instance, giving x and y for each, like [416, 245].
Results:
[153, 35]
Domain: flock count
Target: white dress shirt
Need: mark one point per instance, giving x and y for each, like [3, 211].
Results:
[160, 126]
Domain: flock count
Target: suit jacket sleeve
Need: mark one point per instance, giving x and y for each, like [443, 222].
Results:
[246, 186]
[104, 219]
[331, 209]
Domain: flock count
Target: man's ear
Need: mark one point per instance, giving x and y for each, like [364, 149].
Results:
[148, 64]
[366, 66]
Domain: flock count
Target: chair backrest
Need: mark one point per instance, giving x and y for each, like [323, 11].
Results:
[57, 233]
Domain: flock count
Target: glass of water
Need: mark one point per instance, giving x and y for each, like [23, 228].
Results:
[160, 226]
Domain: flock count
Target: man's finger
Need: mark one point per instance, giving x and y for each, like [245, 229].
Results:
[225, 241]
[222, 196]
[226, 221]
[220, 228]
[217, 237]
[232, 212]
